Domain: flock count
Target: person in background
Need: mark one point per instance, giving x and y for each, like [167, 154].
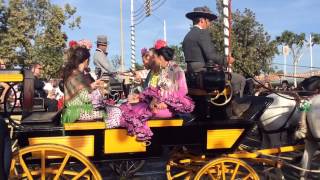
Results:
[100, 60]
[285, 85]
[50, 103]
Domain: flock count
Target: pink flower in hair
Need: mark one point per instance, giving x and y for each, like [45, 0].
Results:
[85, 43]
[160, 44]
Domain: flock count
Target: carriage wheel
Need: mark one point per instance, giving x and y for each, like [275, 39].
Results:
[184, 168]
[51, 161]
[224, 97]
[127, 168]
[227, 169]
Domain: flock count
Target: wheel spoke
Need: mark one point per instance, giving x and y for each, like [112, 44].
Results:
[81, 173]
[43, 165]
[180, 174]
[63, 164]
[247, 177]
[12, 167]
[211, 175]
[223, 171]
[235, 172]
[131, 166]
[24, 167]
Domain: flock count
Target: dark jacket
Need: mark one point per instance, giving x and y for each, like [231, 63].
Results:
[38, 88]
[198, 47]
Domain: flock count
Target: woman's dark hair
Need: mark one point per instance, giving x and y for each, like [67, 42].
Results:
[77, 56]
[166, 52]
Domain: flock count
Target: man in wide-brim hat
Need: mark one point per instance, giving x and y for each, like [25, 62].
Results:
[203, 12]
[199, 50]
[197, 45]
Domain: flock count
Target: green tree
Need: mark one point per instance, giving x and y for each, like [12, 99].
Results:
[33, 33]
[251, 45]
[296, 44]
[179, 56]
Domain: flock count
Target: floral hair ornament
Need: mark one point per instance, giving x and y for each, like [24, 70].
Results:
[85, 43]
[160, 44]
[73, 44]
[144, 51]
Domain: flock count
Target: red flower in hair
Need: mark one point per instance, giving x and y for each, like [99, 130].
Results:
[72, 44]
[160, 44]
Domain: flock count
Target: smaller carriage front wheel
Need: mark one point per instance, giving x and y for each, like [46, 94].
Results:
[227, 169]
[51, 161]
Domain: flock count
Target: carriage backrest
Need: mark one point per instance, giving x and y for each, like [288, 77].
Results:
[28, 92]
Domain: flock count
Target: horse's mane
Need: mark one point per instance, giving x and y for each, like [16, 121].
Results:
[310, 84]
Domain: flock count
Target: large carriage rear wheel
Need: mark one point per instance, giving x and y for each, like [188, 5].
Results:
[227, 169]
[51, 161]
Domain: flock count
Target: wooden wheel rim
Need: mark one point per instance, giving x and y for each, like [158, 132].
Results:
[220, 167]
[53, 148]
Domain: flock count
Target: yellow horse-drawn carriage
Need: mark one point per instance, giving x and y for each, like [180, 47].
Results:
[203, 149]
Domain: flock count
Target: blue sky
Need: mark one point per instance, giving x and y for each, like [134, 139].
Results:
[103, 17]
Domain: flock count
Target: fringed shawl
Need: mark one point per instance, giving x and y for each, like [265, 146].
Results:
[76, 97]
[73, 85]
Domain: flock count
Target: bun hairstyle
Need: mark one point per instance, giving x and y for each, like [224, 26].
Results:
[77, 56]
[166, 52]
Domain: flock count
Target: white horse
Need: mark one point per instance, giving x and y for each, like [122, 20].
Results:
[312, 143]
[279, 122]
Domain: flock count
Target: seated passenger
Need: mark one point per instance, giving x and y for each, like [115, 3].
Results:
[79, 94]
[163, 98]
[50, 103]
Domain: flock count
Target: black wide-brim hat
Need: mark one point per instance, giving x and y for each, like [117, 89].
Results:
[201, 12]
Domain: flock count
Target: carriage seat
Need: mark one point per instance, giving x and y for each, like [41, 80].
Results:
[41, 118]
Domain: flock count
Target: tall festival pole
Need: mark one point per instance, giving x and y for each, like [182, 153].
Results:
[132, 34]
[311, 58]
[227, 30]
[121, 39]
[164, 31]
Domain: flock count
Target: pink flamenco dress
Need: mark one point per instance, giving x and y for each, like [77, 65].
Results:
[169, 87]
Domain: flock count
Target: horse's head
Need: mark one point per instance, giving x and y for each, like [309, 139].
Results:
[310, 84]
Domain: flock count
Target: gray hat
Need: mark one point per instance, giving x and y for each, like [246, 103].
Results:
[102, 39]
[203, 12]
